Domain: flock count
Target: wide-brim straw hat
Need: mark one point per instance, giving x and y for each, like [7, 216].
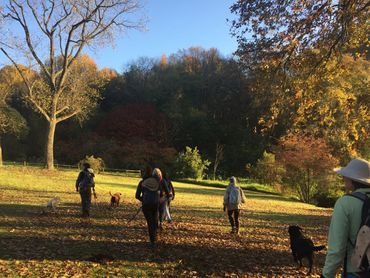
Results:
[357, 169]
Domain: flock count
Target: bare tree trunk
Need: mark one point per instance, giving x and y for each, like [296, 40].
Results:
[49, 154]
[218, 158]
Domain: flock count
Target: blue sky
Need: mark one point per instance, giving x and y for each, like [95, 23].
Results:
[172, 25]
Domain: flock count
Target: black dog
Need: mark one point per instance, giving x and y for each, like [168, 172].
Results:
[302, 247]
[115, 198]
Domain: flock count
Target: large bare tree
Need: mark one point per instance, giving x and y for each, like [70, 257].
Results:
[50, 35]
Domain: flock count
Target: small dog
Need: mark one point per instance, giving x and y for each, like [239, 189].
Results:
[115, 198]
[51, 206]
[53, 203]
[302, 247]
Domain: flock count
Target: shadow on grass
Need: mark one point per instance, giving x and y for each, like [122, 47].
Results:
[286, 218]
[203, 259]
[48, 192]
[50, 238]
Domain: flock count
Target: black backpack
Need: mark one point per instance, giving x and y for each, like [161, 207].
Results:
[87, 179]
[151, 196]
[361, 254]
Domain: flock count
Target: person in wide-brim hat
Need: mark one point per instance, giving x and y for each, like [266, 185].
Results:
[346, 219]
[356, 170]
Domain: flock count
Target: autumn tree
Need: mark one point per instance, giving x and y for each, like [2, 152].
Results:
[336, 106]
[52, 34]
[11, 121]
[307, 162]
[142, 134]
[288, 34]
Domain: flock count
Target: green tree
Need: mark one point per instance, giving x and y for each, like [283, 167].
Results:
[189, 164]
[267, 170]
[11, 121]
[53, 35]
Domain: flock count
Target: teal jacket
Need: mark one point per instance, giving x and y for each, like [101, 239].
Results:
[344, 225]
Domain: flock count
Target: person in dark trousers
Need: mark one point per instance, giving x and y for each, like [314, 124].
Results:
[165, 209]
[233, 199]
[148, 192]
[84, 184]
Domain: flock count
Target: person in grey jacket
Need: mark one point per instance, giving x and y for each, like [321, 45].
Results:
[233, 199]
[346, 219]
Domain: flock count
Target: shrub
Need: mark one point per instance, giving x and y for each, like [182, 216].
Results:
[308, 164]
[267, 170]
[190, 164]
[324, 200]
[96, 163]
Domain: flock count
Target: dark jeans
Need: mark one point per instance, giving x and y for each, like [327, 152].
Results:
[161, 211]
[151, 216]
[234, 222]
[85, 201]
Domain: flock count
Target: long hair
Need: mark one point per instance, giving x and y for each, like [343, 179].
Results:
[157, 173]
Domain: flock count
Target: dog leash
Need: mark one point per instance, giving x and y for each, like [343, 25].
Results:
[137, 212]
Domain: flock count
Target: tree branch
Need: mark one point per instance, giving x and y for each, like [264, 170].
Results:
[65, 117]
[28, 85]
[24, 25]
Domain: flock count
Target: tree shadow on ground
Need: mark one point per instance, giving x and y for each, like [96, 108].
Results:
[286, 217]
[202, 259]
[47, 192]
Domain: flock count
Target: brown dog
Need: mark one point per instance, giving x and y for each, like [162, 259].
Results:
[302, 247]
[115, 198]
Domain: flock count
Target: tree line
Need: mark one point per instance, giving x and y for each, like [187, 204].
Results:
[197, 98]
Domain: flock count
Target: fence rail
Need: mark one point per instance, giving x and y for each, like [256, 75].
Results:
[105, 171]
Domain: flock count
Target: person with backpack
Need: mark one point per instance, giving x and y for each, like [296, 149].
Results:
[84, 184]
[351, 213]
[149, 192]
[233, 199]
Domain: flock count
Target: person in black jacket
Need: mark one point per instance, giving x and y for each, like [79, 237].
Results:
[148, 192]
[84, 184]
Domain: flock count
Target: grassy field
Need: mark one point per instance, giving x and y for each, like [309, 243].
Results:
[196, 244]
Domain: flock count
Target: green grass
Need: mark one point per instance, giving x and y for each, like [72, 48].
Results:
[245, 184]
[197, 244]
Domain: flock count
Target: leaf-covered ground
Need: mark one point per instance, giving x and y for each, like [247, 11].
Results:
[196, 244]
